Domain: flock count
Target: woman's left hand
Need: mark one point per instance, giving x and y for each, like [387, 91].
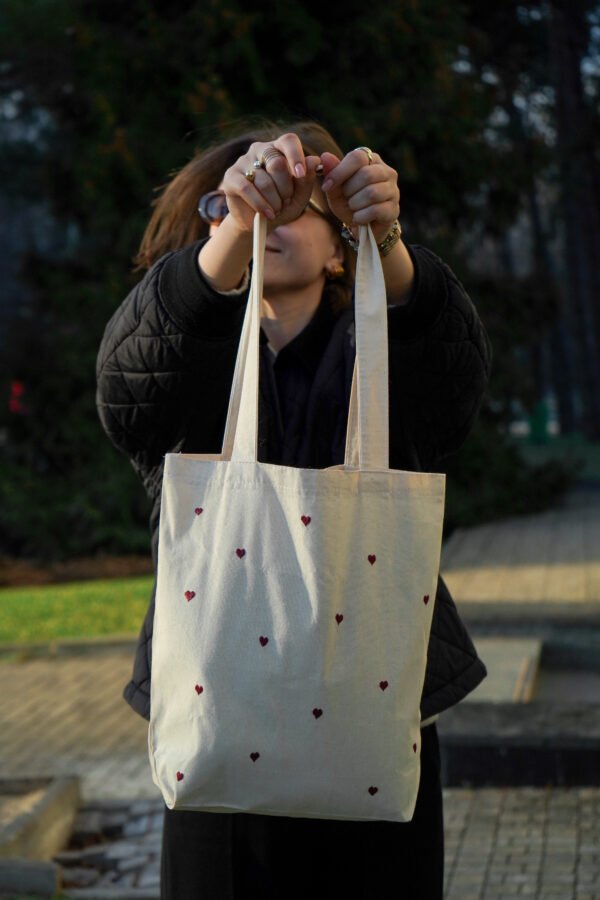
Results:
[361, 192]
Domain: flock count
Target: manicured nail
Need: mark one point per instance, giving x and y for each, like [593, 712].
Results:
[327, 184]
[299, 170]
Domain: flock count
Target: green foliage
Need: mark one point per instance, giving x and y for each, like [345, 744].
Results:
[119, 96]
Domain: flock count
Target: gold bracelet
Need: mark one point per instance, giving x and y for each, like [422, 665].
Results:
[391, 239]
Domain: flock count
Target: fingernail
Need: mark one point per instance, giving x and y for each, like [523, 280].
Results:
[299, 170]
[319, 169]
[327, 184]
[269, 214]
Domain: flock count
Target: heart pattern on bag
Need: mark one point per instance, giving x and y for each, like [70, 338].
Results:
[240, 552]
[198, 510]
[189, 595]
[414, 748]
[383, 685]
[373, 790]
[317, 713]
[426, 599]
[371, 557]
[339, 618]
[254, 756]
[199, 689]
[263, 640]
[306, 520]
[180, 776]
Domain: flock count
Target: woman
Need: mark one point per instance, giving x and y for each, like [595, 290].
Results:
[164, 374]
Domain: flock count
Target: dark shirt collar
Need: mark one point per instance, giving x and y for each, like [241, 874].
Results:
[309, 344]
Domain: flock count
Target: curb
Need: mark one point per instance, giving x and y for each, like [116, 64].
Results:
[69, 646]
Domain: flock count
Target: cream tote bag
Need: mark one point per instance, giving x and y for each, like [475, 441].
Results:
[293, 606]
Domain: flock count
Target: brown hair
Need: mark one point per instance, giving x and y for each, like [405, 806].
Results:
[175, 222]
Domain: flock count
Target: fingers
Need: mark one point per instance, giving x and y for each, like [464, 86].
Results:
[369, 190]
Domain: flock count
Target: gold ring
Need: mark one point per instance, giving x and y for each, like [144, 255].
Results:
[266, 155]
[250, 174]
[368, 151]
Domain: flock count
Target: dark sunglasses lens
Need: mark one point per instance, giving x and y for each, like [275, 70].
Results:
[213, 207]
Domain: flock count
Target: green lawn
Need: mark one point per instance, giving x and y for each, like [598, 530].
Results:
[75, 609]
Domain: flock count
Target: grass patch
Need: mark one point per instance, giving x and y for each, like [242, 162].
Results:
[567, 448]
[76, 609]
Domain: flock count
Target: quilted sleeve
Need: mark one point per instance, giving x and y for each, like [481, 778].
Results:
[167, 355]
[440, 362]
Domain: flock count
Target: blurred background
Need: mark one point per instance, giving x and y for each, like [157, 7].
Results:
[488, 112]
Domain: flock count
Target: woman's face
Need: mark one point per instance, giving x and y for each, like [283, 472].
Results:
[298, 254]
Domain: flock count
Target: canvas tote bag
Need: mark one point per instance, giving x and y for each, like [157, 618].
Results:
[293, 606]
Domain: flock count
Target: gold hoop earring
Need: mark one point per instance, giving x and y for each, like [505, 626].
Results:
[334, 272]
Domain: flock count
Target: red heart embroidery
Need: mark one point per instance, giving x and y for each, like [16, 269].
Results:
[263, 640]
[383, 685]
[306, 520]
[414, 748]
[426, 599]
[240, 552]
[189, 595]
[371, 557]
[254, 756]
[180, 776]
[339, 618]
[373, 791]
[199, 688]
[198, 510]
[317, 713]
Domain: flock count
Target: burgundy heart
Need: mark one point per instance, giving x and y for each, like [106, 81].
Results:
[306, 520]
[263, 640]
[339, 618]
[414, 748]
[373, 790]
[198, 510]
[426, 599]
[199, 688]
[383, 685]
[240, 552]
[317, 713]
[189, 595]
[371, 557]
[254, 756]
[180, 776]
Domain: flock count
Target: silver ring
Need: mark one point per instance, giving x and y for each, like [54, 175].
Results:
[368, 151]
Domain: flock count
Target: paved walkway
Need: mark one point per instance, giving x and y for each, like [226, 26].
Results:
[64, 715]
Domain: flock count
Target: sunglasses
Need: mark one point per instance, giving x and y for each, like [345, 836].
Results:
[213, 208]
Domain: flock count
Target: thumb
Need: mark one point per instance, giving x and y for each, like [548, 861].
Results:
[329, 161]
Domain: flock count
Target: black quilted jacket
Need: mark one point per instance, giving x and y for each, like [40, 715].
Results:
[165, 368]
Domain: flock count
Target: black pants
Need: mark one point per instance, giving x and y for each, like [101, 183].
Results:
[240, 856]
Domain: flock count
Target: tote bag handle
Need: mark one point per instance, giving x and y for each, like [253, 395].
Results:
[367, 434]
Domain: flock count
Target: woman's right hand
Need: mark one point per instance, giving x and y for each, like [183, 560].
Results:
[280, 191]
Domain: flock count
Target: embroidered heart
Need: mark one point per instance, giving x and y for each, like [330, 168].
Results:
[383, 685]
[198, 510]
[414, 748]
[371, 557]
[339, 618]
[306, 520]
[240, 552]
[317, 713]
[263, 640]
[254, 756]
[199, 688]
[373, 790]
[180, 776]
[189, 595]
[426, 599]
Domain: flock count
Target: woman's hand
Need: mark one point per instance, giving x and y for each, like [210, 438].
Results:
[280, 190]
[360, 192]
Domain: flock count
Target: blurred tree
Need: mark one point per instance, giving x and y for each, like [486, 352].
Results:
[108, 99]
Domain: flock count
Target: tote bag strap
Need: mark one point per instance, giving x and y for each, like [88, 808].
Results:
[367, 436]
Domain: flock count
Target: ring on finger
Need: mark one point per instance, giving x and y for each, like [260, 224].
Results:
[267, 154]
[250, 174]
[368, 151]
